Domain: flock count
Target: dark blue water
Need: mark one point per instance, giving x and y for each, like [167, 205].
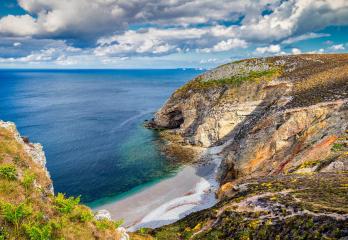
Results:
[90, 124]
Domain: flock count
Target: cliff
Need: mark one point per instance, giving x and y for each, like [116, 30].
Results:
[28, 207]
[282, 124]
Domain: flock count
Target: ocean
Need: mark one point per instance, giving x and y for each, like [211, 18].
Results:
[90, 125]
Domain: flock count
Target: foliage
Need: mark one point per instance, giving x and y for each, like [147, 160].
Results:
[15, 214]
[8, 171]
[104, 224]
[65, 205]
[28, 179]
[337, 147]
[82, 214]
[118, 223]
[234, 80]
[38, 232]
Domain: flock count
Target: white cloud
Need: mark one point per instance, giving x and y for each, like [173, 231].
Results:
[269, 49]
[319, 51]
[60, 53]
[226, 45]
[209, 60]
[296, 51]
[24, 25]
[337, 47]
[155, 41]
[103, 27]
[328, 42]
[82, 18]
[305, 36]
[85, 18]
[17, 44]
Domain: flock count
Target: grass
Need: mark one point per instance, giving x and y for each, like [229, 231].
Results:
[30, 211]
[322, 193]
[235, 80]
[8, 172]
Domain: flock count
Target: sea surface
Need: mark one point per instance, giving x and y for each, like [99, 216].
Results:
[90, 124]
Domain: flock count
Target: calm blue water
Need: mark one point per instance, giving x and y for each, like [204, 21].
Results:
[90, 124]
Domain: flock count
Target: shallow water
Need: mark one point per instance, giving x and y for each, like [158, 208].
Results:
[90, 124]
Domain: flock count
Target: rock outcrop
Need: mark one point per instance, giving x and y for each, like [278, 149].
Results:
[276, 114]
[28, 207]
[282, 123]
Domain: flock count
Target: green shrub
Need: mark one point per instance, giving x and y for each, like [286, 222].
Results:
[8, 172]
[28, 179]
[337, 147]
[82, 214]
[15, 214]
[65, 205]
[37, 232]
[118, 223]
[103, 224]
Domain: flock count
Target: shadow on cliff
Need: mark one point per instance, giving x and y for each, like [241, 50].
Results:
[235, 139]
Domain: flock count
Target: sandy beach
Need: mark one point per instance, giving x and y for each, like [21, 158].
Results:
[191, 189]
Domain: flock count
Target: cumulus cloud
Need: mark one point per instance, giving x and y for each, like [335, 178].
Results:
[337, 47]
[296, 51]
[226, 45]
[50, 51]
[155, 41]
[85, 18]
[273, 49]
[118, 29]
[305, 36]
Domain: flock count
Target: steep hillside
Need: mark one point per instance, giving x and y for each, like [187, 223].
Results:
[283, 125]
[28, 207]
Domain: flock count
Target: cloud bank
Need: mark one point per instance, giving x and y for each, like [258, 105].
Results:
[114, 28]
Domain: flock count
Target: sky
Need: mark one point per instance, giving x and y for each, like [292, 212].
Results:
[165, 33]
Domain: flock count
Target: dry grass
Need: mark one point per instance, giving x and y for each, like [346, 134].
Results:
[77, 224]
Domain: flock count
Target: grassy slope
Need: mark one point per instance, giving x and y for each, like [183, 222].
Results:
[284, 207]
[29, 211]
[308, 206]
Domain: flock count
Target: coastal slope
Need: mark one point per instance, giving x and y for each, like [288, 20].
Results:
[282, 123]
[28, 207]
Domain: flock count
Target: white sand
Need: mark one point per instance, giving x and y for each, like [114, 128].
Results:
[191, 189]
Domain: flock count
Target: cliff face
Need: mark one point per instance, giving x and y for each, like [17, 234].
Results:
[282, 123]
[275, 115]
[28, 207]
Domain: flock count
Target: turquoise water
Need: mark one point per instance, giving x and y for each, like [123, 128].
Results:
[90, 124]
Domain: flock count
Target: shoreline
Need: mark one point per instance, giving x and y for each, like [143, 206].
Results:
[191, 189]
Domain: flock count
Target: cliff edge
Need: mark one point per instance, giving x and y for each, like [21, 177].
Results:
[28, 207]
[282, 123]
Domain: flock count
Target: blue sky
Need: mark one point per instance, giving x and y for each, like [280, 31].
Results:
[165, 34]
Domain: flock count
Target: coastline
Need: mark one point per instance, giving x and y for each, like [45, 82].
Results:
[191, 189]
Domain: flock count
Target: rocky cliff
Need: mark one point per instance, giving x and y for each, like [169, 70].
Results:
[28, 207]
[279, 120]
[274, 115]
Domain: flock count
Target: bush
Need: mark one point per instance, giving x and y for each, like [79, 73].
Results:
[65, 205]
[28, 179]
[15, 214]
[118, 223]
[82, 214]
[37, 232]
[8, 172]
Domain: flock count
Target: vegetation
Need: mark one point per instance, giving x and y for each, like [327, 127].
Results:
[288, 207]
[15, 214]
[28, 180]
[65, 205]
[28, 209]
[236, 79]
[8, 172]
